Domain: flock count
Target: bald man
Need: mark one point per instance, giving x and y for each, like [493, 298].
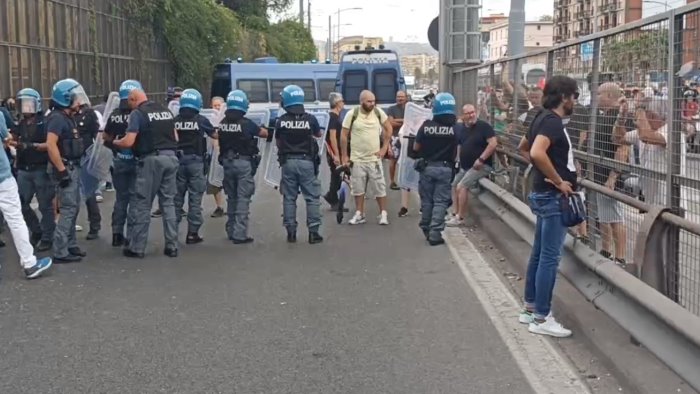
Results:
[614, 237]
[152, 137]
[365, 124]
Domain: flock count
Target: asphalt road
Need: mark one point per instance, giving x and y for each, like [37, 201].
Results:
[371, 310]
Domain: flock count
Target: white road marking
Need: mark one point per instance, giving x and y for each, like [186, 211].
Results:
[544, 367]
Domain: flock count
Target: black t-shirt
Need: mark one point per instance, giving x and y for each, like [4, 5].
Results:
[334, 123]
[578, 124]
[603, 144]
[473, 140]
[560, 151]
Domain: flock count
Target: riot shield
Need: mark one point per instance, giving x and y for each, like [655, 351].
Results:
[414, 116]
[174, 107]
[215, 175]
[273, 173]
[111, 104]
[262, 119]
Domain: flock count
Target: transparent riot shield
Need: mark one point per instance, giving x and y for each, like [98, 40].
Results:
[174, 107]
[111, 104]
[414, 116]
[215, 175]
[273, 173]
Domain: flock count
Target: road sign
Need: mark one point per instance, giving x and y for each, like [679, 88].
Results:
[433, 34]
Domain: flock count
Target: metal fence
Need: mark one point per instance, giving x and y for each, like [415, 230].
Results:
[631, 162]
[42, 41]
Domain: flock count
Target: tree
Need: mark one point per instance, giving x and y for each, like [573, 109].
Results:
[290, 42]
[546, 18]
[253, 13]
[418, 73]
[432, 75]
[635, 54]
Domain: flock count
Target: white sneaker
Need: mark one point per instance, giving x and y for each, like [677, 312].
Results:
[526, 317]
[550, 327]
[99, 198]
[383, 219]
[455, 221]
[359, 218]
[78, 228]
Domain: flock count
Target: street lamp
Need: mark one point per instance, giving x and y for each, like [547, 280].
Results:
[338, 23]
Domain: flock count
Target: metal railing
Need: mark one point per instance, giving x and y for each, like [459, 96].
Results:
[643, 199]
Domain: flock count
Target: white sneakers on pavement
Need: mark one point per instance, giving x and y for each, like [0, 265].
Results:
[359, 218]
[455, 221]
[549, 327]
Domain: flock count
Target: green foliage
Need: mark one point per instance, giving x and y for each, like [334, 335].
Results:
[253, 13]
[648, 50]
[290, 42]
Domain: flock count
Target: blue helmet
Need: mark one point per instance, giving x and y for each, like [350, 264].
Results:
[444, 104]
[292, 95]
[191, 98]
[127, 86]
[28, 101]
[67, 92]
[237, 99]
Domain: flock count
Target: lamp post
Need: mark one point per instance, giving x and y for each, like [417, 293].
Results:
[338, 25]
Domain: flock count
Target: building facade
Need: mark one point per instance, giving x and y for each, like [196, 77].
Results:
[577, 18]
[422, 62]
[349, 43]
[538, 35]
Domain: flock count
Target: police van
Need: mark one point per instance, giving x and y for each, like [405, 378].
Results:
[378, 70]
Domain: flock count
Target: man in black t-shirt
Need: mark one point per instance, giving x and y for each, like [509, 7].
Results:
[332, 151]
[477, 143]
[548, 145]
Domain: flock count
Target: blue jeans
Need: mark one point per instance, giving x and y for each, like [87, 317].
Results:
[550, 234]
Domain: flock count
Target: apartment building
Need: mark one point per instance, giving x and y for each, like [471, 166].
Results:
[577, 18]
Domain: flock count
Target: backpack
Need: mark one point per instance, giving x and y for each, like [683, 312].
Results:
[356, 113]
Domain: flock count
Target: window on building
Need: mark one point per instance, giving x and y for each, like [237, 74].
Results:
[539, 27]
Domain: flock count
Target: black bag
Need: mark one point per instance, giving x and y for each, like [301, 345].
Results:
[573, 210]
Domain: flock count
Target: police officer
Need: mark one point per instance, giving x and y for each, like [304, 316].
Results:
[32, 177]
[436, 147]
[299, 159]
[88, 125]
[151, 135]
[192, 129]
[66, 147]
[240, 158]
[124, 165]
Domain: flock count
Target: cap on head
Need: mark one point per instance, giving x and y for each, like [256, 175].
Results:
[191, 98]
[444, 104]
[29, 101]
[292, 95]
[237, 100]
[127, 86]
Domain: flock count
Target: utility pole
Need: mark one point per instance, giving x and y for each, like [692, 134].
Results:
[329, 47]
[301, 12]
[308, 12]
[516, 32]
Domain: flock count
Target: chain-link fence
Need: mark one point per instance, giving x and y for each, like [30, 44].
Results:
[634, 130]
[42, 41]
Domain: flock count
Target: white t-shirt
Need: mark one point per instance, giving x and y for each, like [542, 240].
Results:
[654, 157]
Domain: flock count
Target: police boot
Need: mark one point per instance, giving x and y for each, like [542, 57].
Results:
[315, 238]
[44, 246]
[193, 238]
[117, 240]
[76, 251]
[291, 236]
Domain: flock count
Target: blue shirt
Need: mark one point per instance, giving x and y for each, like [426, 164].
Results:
[137, 122]
[61, 125]
[9, 122]
[250, 128]
[5, 169]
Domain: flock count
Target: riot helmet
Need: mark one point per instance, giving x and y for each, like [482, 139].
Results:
[28, 102]
[444, 104]
[237, 100]
[69, 93]
[292, 95]
[191, 98]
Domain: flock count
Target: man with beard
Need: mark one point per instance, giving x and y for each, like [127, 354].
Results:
[364, 123]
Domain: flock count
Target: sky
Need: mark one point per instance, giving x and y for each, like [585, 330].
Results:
[406, 20]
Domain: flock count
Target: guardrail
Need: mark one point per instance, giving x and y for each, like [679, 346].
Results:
[668, 330]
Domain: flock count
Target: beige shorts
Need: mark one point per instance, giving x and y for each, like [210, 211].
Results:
[368, 178]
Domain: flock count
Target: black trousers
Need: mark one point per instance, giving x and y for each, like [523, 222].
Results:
[332, 196]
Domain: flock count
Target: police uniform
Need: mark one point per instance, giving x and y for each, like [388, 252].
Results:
[156, 171]
[438, 149]
[123, 176]
[71, 147]
[299, 159]
[33, 179]
[88, 126]
[239, 156]
[192, 129]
